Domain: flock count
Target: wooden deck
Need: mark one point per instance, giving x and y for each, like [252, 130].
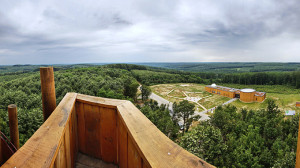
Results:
[85, 161]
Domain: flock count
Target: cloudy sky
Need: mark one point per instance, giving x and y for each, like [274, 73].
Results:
[95, 31]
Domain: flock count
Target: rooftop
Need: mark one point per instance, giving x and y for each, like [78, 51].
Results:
[237, 91]
[247, 90]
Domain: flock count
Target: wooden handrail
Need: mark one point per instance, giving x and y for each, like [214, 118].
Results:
[42, 148]
[112, 130]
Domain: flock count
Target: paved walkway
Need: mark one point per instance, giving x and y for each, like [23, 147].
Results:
[203, 114]
[161, 100]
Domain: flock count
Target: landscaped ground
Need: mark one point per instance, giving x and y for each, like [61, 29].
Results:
[285, 96]
[174, 93]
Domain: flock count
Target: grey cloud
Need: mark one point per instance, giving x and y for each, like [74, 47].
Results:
[125, 30]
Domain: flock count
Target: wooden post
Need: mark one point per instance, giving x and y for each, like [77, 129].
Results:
[13, 125]
[48, 91]
[298, 149]
[0, 148]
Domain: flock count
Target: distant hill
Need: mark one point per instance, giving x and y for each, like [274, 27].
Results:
[231, 67]
[32, 68]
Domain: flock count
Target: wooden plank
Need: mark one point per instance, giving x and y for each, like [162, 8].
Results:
[108, 134]
[68, 146]
[99, 101]
[62, 161]
[140, 143]
[41, 149]
[122, 145]
[145, 164]
[88, 161]
[73, 136]
[298, 149]
[72, 148]
[92, 130]
[134, 158]
[57, 159]
[81, 127]
[76, 135]
[156, 149]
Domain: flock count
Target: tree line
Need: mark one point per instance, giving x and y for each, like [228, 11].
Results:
[153, 75]
[25, 92]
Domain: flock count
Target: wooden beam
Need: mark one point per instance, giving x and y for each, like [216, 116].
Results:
[48, 91]
[0, 148]
[13, 125]
[43, 147]
[298, 149]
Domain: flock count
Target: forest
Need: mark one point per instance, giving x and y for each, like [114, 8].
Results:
[25, 92]
[232, 138]
[152, 76]
[228, 67]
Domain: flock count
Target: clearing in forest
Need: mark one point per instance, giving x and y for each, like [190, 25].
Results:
[284, 96]
[192, 92]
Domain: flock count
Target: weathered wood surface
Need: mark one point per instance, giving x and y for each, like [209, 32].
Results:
[85, 161]
[155, 149]
[112, 130]
[48, 91]
[108, 134]
[298, 149]
[42, 148]
[139, 142]
[97, 131]
[13, 125]
[99, 101]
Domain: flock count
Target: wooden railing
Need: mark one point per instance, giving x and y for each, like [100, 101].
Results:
[114, 131]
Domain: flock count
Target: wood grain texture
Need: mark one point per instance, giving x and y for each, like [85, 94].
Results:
[99, 101]
[13, 125]
[122, 145]
[62, 158]
[74, 139]
[92, 130]
[154, 147]
[116, 132]
[41, 149]
[298, 149]
[134, 158]
[48, 91]
[68, 146]
[108, 134]
[81, 127]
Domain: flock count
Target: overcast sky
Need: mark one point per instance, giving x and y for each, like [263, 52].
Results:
[94, 31]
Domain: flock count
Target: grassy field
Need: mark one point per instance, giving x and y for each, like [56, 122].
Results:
[174, 93]
[285, 96]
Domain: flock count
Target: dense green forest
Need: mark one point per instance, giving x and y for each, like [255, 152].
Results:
[31, 68]
[232, 138]
[241, 138]
[152, 76]
[228, 67]
[24, 90]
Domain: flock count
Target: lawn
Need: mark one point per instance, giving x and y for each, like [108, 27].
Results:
[285, 96]
[174, 93]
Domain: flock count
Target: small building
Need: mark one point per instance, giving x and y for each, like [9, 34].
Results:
[245, 95]
[297, 104]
